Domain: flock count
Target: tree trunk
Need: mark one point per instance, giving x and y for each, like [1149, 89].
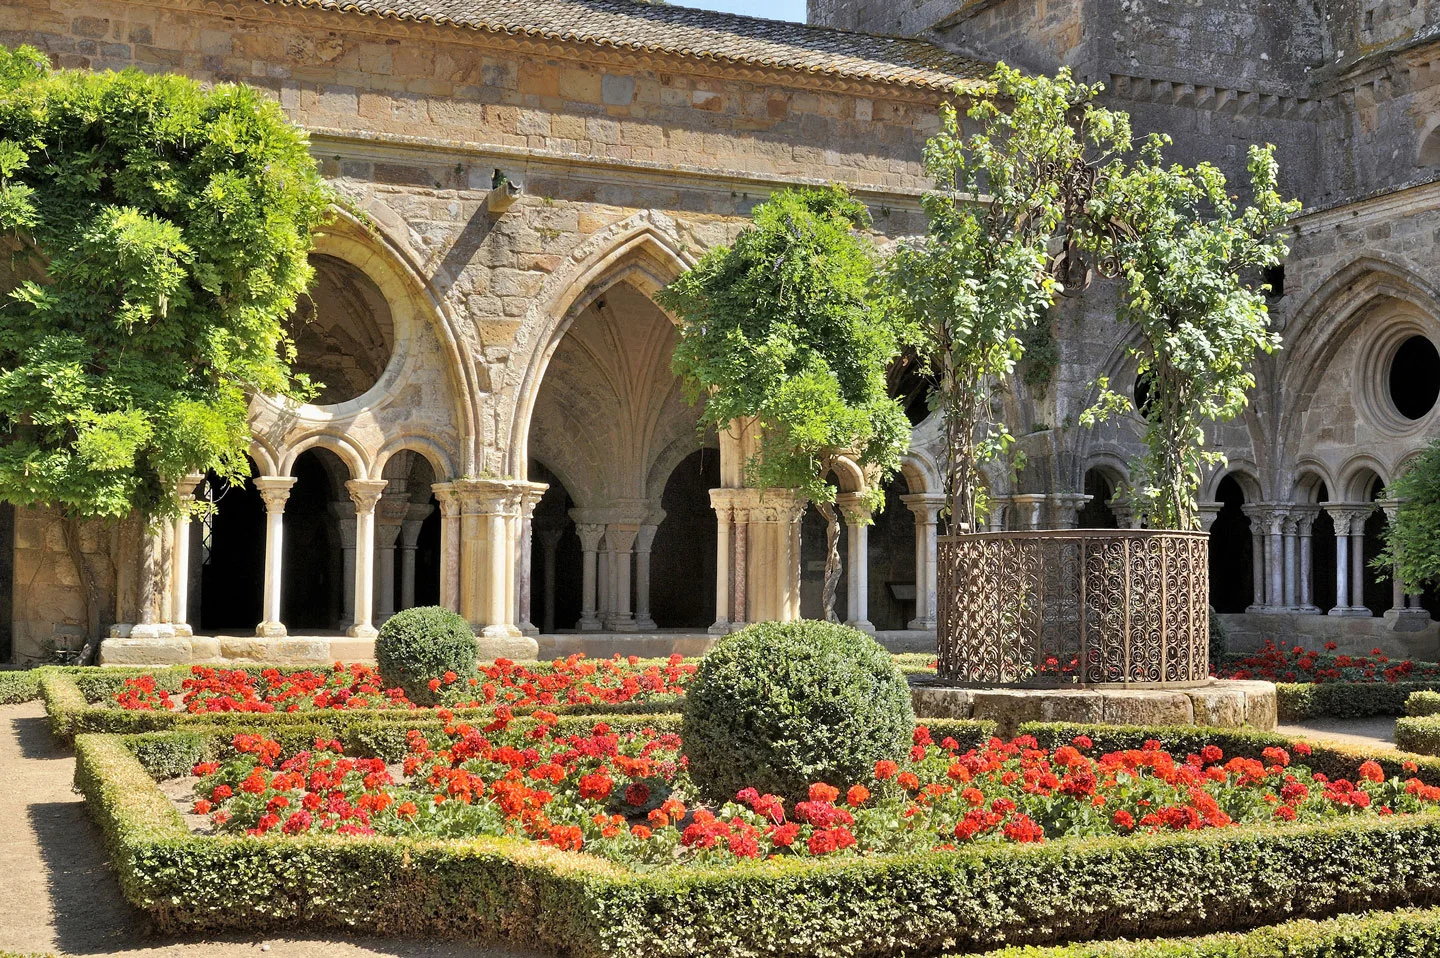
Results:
[832, 559]
[89, 591]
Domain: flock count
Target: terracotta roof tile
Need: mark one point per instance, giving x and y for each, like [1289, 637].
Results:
[682, 31]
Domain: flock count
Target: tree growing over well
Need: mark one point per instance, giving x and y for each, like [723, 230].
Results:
[1189, 262]
[1005, 237]
[157, 234]
[1412, 538]
[782, 330]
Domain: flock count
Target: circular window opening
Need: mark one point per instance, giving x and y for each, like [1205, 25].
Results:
[1415, 377]
[344, 333]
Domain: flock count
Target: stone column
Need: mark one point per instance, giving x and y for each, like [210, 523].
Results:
[344, 513]
[857, 534]
[1209, 512]
[1347, 516]
[490, 526]
[549, 544]
[1124, 512]
[1403, 615]
[180, 557]
[1304, 526]
[1065, 507]
[767, 566]
[643, 541]
[365, 493]
[1288, 528]
[1357, 560]
[450, 536]
[606, 577]
[590, 534]
[995, 521]
[724, 565]
[926, 507]
[151, 614]
[1259, 520]
[621, 538]
[409, 542]
[528, 501]
[274, 490]
[390, 516]
[1029, 506]
[740, 611]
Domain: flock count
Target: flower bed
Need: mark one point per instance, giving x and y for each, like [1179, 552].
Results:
[908, 883]
[1311, 684]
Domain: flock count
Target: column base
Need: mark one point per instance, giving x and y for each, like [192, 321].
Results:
[271, 630]
[529, 628]
[1407, 620]
[1310, 610]
[922, 625]
[152, 630]
[645, 624]
[362, 632]
[182, 629]
[1353, 611]
[588, 625]
[721, 627]
[624, 625]
[863, 625]
[500, 645]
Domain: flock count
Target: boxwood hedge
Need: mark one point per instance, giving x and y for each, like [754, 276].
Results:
[973, 898]
[1412, 933]
[1299, 701]
[20, 685]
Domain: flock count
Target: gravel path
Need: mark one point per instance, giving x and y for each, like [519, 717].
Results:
[58, 896]
[1377, 732]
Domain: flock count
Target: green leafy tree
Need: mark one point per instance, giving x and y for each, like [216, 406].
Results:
[1004, 239]
[1412, 539]
[781, 329]
[1188, 261]
[158, 234]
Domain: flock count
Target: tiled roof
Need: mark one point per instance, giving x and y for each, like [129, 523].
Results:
[686, 32]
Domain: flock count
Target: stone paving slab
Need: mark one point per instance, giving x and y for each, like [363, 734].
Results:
[57, 894]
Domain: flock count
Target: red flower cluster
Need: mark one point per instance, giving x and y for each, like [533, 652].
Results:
[1297, 664]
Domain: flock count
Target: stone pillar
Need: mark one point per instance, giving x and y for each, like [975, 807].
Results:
[549, 544]
[274, 490]
[724, 566]
[926, 507]
[857, 534]
[606, 576]
[1259, 521]
[1347, 517]
[620, 537]
[490, 527]
[1304, 525]
[365, 493]
[1029, 506]
[1065, 508]
[1124, 512]
[450, 536]
[590, 534]
[180, 557]
[151, 614]
[390, 516]
[999, 507]
[1402, 616]
[1288, 527]
[409, 541]
[763, 554]
[528, 501]
[1209, 512]
[643, 541]
[344, 513]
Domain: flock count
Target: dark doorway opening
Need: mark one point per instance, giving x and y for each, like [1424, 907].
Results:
[1232, 583]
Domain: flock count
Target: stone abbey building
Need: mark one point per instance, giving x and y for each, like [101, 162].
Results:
[500, 431]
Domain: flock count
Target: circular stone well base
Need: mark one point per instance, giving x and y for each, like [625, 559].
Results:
[1218, 703]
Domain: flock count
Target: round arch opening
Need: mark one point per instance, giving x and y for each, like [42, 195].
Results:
[1414, 377]
[344, 331]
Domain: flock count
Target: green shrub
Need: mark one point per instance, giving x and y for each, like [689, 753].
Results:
[19, 686]
[977, 897]
[1374, 935]
[1425, 702]
[1299, 701]
[1418, 734]
[421, 644]
[778, 706]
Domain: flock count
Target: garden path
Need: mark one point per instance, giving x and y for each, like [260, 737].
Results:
[1377, 732]
[57, 894]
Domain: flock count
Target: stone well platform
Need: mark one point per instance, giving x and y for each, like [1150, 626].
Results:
[1218, 703]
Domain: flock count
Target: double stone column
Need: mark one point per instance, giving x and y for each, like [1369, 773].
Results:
[757, 556]
[615, 544]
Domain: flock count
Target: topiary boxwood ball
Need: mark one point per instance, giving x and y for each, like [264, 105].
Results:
[418, 645]
[778, 706]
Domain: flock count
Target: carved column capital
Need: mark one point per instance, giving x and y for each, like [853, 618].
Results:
[853, 506]
[365, 493]
[590, 534]
[275, 490]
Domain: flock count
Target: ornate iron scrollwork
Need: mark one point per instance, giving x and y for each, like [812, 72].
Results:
[1074, 608]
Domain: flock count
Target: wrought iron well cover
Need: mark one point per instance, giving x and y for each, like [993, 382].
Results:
[1082, 607]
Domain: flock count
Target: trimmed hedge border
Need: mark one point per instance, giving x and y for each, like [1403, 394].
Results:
[1299, 701]
[976, 897]
[1412, 932]
[18, 685]
[71, 706]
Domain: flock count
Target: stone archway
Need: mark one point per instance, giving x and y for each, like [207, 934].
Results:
[228, 547]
